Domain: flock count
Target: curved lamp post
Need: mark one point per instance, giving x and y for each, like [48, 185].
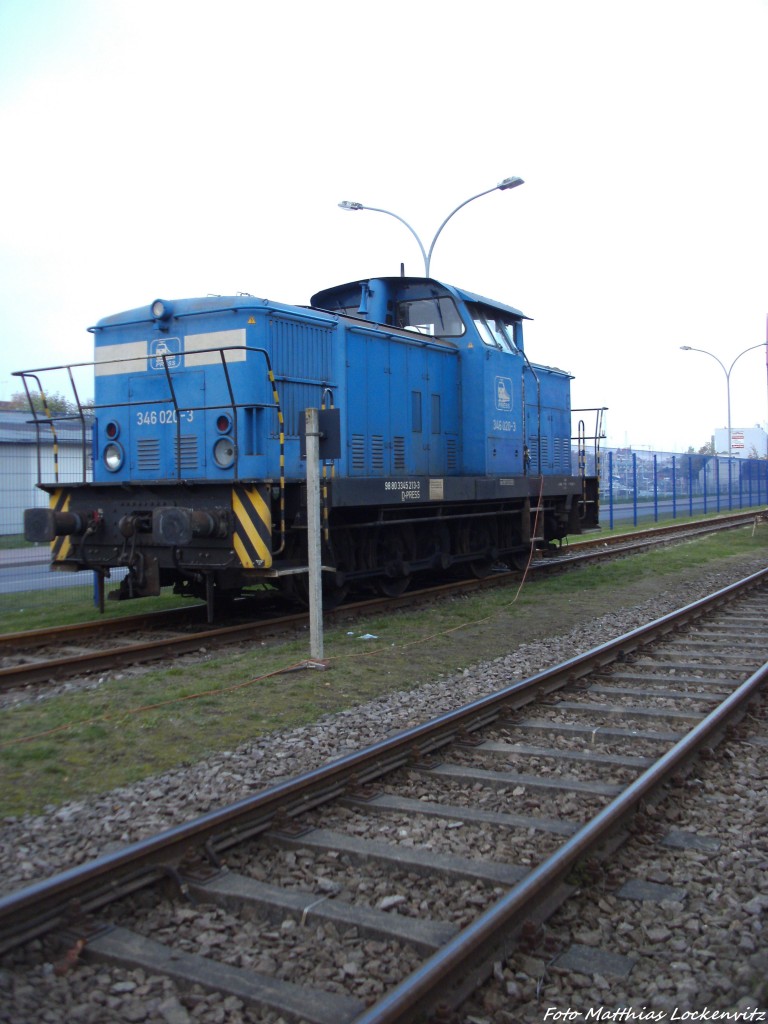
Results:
[507, 183]
[690, 348]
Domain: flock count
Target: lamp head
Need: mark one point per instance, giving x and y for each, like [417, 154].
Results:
[510, 183]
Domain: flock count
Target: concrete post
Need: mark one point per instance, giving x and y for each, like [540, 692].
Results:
[314, 556]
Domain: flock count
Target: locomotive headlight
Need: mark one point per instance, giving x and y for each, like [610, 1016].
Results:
[224, 453]
[161, 310]
[113, 457]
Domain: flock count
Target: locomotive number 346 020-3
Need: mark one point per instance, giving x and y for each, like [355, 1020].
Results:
[153, 417]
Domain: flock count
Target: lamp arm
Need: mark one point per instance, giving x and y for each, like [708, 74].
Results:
[428, 257]
[376, 209]
[750, 349]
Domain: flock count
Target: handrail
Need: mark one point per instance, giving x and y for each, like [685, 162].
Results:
[172, 399]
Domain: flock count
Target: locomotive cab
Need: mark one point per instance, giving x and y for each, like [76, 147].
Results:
[515, 415]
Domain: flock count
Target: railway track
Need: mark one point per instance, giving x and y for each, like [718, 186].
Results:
[60, 653]
[425, 853]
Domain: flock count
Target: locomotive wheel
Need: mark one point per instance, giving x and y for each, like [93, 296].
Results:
[480, 539]
[391, 556]
[392, 587]
[521, 559]
[335, 589]
[481, 568]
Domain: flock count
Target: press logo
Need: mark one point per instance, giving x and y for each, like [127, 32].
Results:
[504, 393]
[165, 352]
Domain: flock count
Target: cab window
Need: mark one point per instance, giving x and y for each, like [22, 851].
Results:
[496, 328]
[436, 317]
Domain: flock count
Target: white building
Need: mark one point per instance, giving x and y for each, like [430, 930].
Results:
[746, 442]
[19, 466]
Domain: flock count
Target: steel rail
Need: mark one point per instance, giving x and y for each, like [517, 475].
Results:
[27, 673]
[140, 863]
[136, 653]
[425, 988]
[73, 632]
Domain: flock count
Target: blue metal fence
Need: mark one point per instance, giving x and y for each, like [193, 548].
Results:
[637, 485]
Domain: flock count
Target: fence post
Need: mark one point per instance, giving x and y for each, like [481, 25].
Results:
[674, 487]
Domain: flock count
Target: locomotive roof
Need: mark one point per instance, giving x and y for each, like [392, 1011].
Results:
[460, 293]
[474, 297]
[320, 300]
[189, 307]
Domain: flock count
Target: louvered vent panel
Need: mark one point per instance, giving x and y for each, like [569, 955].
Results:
[533, 452]
[565, 456]
[398, 447]
[148, 455]
[377, 452]
[301, 349]
[186, 451]
[301, 352]
[358, 452]
[451, 451]
[544, 451]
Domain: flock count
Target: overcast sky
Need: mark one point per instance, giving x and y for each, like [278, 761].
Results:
[176, 148]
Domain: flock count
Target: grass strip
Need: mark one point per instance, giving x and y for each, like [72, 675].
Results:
[135, 724]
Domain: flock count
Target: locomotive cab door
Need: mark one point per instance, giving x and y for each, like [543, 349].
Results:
[504, 412]
[498, 379]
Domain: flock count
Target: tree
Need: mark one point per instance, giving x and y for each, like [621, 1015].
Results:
[55, 404]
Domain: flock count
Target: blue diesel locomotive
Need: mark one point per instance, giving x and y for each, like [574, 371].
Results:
[456, 450]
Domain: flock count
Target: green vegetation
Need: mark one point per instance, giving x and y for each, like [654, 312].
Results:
[133, 725]
[45, 609]
[53, 404]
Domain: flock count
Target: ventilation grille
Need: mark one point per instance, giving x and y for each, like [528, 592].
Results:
[398, 446]
[537, 446]
[185, 452]
[301, 349]
[301, 361]
[451, 451]
[561, 455]
[358, 452]
[377, 451]
[544, 445]
[148, 455]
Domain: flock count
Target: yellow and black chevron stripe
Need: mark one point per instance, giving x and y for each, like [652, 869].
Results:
[61, 547]
[253, 526]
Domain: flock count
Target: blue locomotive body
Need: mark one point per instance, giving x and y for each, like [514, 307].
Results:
[455, 448]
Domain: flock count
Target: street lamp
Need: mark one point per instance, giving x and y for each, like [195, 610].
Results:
[690, 348]
[503, 186]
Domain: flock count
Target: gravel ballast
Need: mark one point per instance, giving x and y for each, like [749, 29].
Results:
[706, 951]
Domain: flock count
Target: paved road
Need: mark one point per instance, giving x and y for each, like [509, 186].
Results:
[24, 569]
